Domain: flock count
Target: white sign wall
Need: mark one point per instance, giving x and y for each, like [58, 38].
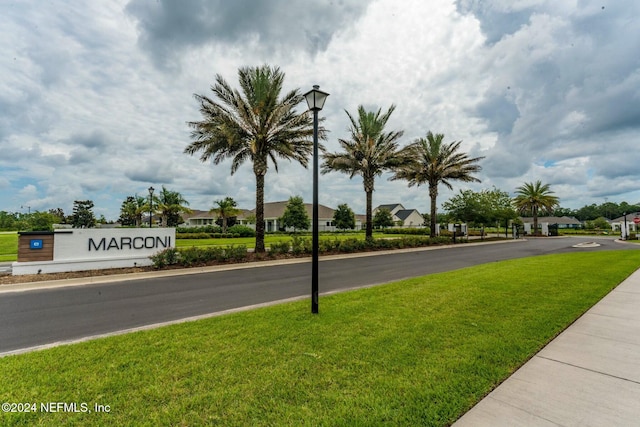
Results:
[94, 248]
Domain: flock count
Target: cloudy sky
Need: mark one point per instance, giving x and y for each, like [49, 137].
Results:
[95, 96]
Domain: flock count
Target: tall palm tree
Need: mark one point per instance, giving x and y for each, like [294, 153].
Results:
[170, 204]
[226, 208]
[434, 162]
[255, 125]
[534, 197]
[369, 152]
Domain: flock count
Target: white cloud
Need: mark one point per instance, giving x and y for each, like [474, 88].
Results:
[96, 96]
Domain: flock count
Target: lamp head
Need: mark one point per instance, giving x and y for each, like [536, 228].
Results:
[315, 98]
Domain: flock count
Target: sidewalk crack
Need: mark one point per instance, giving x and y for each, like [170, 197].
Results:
[590, 370]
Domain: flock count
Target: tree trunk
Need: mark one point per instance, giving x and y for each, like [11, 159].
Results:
[535, 220]
[259, 213]
[368, 189]
[433, 195]
[369, 228]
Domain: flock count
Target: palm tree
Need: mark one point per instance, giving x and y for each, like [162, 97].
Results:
[369, 152]
[434, 162]
[141, 207]
[133, 209]
[536, 198]
[170, 204]
[254, 125]
[226, 208]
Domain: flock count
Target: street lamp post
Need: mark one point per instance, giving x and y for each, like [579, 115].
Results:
[315, 100]
[624, 235]
[150, 205]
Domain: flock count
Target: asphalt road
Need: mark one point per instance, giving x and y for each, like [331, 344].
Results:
[41, 317]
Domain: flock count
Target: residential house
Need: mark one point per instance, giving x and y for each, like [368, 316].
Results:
[273, 211]
[198, 218]
[544, 222]
[402, 216]
[627, 220]
[561, 221]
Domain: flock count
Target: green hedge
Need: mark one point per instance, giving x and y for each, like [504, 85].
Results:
[416, 231]
[205, 229]
[206, 235]
[190, 257]
[299, 245]
[242, 231]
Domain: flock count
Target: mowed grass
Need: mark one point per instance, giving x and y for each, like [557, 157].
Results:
[8, 246]
[250, 242]
[416, 352]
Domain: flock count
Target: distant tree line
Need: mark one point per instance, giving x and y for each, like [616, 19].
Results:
[82, 217]
[592, 212]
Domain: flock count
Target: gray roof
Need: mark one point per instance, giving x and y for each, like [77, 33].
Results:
[388, 207]
[404, 213]
[630, 217]
[276, 210]
[553, 220]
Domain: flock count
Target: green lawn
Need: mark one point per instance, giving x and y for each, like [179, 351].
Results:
[8, 246]
[250, 242]
[416, 352]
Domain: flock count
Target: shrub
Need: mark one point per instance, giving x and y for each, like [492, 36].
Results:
[280, 248]
[166, 257]
[300, 245]
[421, 231]
[329, 245]
[193, 236]
[418, 241]
[352, 245]
[205, 229]
[214, 253]
[192, 256]
[386, 243]
[236, 253]
[242, 231]
[188, 257]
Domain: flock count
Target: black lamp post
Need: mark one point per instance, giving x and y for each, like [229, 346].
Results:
[150, 205]
[315, 100]
[624, 235]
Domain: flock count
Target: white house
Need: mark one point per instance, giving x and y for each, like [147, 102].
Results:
[198, 218]
[544, 222]
[618, 224]
[407, 217]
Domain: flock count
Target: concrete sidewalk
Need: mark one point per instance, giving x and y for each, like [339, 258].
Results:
[588, 376]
